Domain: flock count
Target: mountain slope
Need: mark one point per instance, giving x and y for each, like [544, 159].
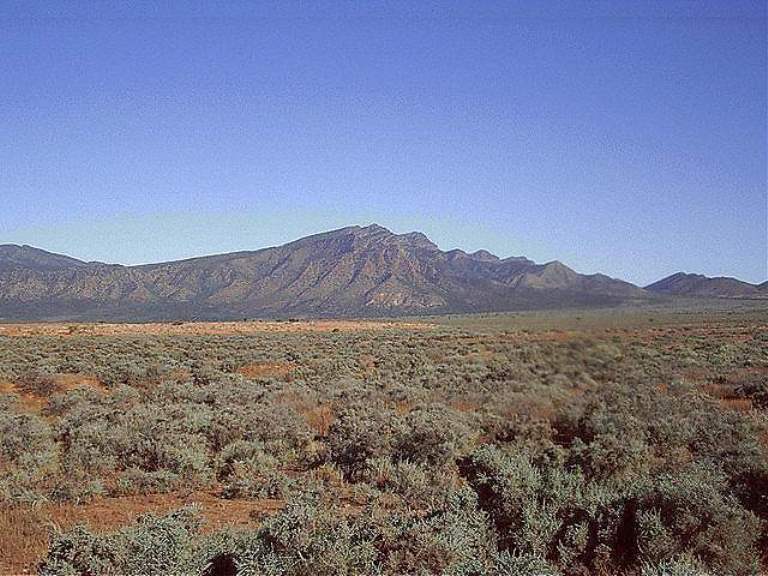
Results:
[347, 272]
[27, 257]
[697, 285]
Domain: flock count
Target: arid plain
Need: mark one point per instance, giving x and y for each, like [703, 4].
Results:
[294, 434]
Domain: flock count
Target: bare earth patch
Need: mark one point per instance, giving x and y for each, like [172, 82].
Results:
[277, 370]
[27, 402]
[35, 402]
[25, 532]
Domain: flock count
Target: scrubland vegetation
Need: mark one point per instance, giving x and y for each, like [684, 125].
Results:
[634, 451]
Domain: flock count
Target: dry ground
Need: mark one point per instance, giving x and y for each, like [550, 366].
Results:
[26, 531]
[203, 328]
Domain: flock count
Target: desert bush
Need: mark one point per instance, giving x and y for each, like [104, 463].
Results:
[23, 435]
[242, 412]
[359, 434]
[154, 546]
[37, 382]
[519, 564]
[77, 490]
[693, 513]
[137, 481]
[522, 429]
[455, 540]
[63, 403]
[509, 489]
[678, 566]
[246, 471]
[584, 527]
[442, 451]
[435, 435]
[309, 538]
[421, 487]
[756, 389]
[81, 552]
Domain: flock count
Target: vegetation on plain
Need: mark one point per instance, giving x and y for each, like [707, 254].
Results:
[637, 451]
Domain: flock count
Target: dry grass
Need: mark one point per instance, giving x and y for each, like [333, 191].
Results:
[277, 370]
[464, 406]
[368, 365]
[31, 401]
[105, 514]
[66, 382]
[403, 407]
[203, 328]
[320, 418]
[24, 534]
[25, 531]
[725, 388]
[738, 404]
[27, 402]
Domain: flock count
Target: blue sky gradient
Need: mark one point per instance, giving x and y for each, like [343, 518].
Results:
[622, 137]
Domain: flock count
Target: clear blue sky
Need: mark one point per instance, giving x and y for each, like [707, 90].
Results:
[627, 137]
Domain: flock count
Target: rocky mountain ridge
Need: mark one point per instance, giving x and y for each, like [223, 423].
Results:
[353, 271]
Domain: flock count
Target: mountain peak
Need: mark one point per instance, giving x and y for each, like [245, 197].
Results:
[416, 239]
[376, 233]
[484, 255]
[683, 276]
[364, 231]
[373, 227]
[25, 256]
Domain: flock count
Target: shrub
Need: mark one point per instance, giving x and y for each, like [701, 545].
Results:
[81, 552]
[255, 477]
[466, 453]
[519, 564]
[359, 434]
[38, 383]
[756, 389]
[677, 566]
[456, 540]
[422, 487]
[23, 435]
[154, 546]
[137, 481]
[693, 513]
[308, 538]
[435, 436]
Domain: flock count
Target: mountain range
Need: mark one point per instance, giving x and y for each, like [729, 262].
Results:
[353, 271]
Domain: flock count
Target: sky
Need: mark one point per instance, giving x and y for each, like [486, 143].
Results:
[626, 137]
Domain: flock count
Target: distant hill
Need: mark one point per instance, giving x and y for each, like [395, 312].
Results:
[354, 271]
[682, 284]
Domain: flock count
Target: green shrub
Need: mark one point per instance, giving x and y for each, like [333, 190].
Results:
[518, 564]
[359, 434]
[456, 540]
[255, 477]
[693, 513]
[137, 481]
[437, 451]
[23, 435]
[308, 538]
[154, 546]
[38, 383]
[434, 436]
